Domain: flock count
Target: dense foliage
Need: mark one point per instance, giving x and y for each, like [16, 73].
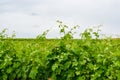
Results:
[62, 59]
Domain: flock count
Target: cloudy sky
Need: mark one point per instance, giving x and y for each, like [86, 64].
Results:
[28, 18]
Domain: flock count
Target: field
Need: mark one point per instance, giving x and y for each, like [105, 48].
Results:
[33, 59]
[66, 58]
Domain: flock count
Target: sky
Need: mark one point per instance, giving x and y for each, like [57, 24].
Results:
[29, 18]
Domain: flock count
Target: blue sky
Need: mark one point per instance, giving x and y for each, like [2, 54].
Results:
[28, 18]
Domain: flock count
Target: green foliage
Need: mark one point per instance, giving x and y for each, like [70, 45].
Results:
[43, 35]
[88, 58]
[3, 34]
[63, 30]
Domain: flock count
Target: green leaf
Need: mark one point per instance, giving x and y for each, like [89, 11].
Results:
[53, 77]
[74, 63]
[118, 75]
[62, 30]
[4, 77]
[54, 67]
[83, 62]
[33, 72]
[9, 70]
[70, 74]
[81, 78]
[67, 64]
[91, 66]
[77, 72]
[16, 65]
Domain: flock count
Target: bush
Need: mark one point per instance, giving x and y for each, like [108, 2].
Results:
[88, 58]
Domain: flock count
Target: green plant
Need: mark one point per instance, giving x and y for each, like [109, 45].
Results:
[87, 58]
[43, 35]
[3, 34]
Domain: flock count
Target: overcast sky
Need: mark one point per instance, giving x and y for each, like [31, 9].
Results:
[28, 18]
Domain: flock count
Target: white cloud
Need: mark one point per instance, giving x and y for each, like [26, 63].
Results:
[34, 16]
